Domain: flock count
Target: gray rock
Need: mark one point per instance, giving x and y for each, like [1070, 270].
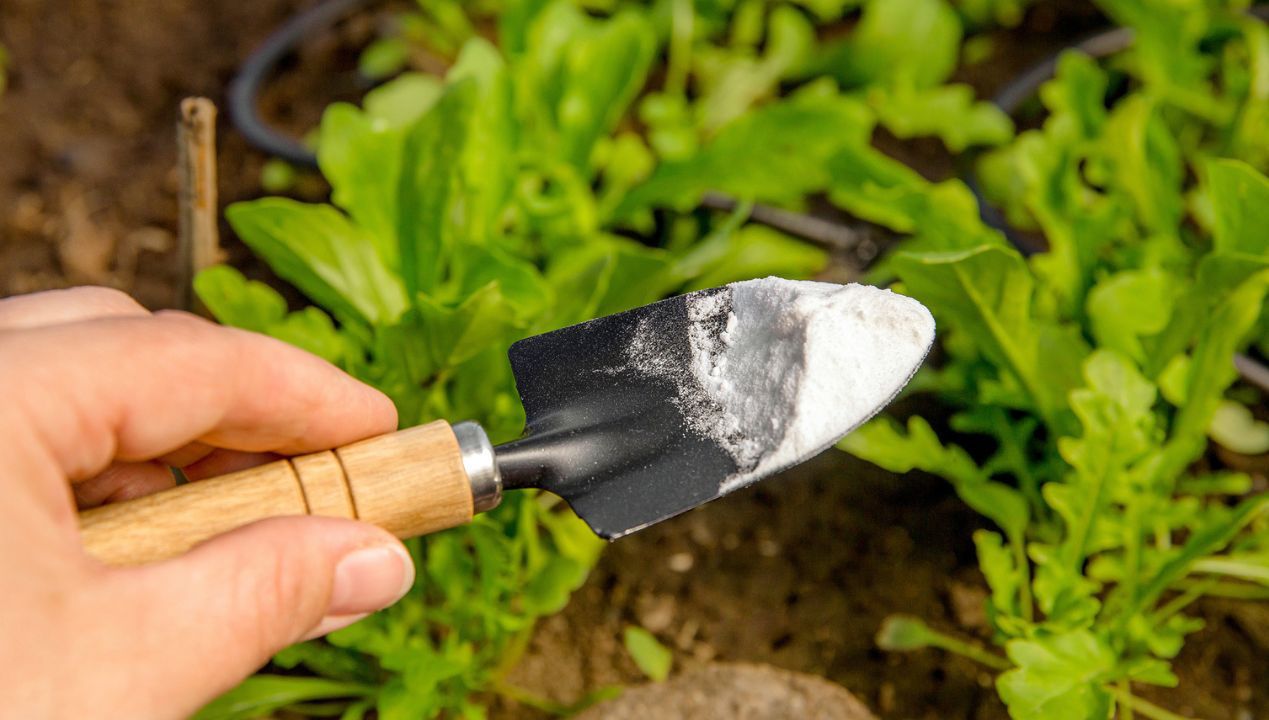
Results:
[734, 691]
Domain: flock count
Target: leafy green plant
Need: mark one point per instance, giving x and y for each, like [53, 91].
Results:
[1099, 366]
[467, 214]
[501, 202]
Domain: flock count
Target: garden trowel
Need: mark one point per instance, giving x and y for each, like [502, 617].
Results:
[631, 418]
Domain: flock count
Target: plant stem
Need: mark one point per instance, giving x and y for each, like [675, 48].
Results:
[1237, 591]
[1233, 567]
[1132, 703]
[952, 644]
[1178, 603]
[1024, 588]
[1126, 689]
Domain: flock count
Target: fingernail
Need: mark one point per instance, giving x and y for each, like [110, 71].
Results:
[370, 579]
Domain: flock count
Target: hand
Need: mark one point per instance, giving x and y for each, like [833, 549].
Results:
[98, 399]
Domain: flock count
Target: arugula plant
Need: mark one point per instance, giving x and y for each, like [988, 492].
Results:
[500, 202]
[1100, 366]
[466, 214]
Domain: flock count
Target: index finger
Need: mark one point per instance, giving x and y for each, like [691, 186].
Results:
[137, 388]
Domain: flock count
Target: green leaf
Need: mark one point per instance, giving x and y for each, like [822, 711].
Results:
[901, 633]
[1146, 159]
[1058, 677]
[1076, 97]
[313, 330]
[1115, 410]
[897, 41]
[1234, 427]
[456, 334]
[237, 301]
[1240, 204]
[487, 176]
[432, 163]
[383, 57]
[317, 249]
[360, 158]
[758, 251]
[606, 276]
[872, 186]
[986, 293]
[399, 102]
[603, 71]
[549, 589]
[259, 695]
[1003, 575]
[1124, 307]
[776, 154]
[946, 111]
[1211, 364]
[730, 81]
[277, 176]
[327, 660]
[653, 658]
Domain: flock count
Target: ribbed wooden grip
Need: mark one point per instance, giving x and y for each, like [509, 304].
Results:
[410, 483]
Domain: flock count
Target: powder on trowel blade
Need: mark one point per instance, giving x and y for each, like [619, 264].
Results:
[781, 369]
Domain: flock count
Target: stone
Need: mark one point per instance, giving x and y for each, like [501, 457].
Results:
[734, 691]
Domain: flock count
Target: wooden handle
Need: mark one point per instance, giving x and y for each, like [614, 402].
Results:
[410, 483]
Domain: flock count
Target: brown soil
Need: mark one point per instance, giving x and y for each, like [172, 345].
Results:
[797, 572]
[88, 186]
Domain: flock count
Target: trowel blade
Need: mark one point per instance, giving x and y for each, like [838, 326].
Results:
[614, 440]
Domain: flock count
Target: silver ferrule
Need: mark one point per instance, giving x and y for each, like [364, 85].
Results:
[480, 464]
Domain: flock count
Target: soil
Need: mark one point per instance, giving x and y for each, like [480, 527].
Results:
[797, 572]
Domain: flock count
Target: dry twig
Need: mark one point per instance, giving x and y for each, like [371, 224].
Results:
[200, 241]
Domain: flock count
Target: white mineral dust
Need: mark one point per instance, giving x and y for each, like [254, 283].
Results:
[782, 369]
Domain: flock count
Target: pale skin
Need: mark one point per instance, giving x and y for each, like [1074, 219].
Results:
[98, 400]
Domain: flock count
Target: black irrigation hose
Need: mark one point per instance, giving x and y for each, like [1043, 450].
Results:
[245, 88]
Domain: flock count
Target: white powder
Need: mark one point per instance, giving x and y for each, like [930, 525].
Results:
[782, 369]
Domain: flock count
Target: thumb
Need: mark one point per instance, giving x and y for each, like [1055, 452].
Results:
[208, 619]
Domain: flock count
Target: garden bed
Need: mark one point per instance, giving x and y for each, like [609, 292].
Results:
[798, 572]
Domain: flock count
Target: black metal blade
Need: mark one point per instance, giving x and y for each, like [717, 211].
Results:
[609, 439]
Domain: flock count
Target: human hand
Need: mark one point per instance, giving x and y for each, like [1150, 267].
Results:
[98, 399]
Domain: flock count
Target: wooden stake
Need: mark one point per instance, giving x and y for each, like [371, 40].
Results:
[200, 240]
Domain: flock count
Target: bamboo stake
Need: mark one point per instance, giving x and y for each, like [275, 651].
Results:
[200, 241]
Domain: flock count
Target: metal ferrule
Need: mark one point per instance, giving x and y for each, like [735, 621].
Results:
[480, 464]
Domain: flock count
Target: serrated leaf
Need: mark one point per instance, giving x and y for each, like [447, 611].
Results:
[986, 292]
[1057, 677]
